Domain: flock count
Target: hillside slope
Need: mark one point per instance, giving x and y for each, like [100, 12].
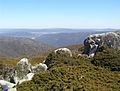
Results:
[73, 74]
[17, 47]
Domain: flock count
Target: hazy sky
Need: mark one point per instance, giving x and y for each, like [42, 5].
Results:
[59, 13]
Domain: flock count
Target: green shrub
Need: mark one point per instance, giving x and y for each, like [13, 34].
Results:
[109, 58]
[72, 74]
[63, 58]
[73, 78]
[67, 73]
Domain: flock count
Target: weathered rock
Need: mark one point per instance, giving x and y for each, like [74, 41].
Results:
[23, 68]
[24, 71]
[66, 50]
[7, 85]
[0, 87]
[39, 67]
[28, 77]
[6, 72]
[90, 46]
[94, 41]
[112, 40]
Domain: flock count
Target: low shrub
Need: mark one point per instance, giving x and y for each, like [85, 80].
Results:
[109, 58]
[72, 74]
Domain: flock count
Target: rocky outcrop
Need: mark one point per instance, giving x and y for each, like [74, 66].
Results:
[23, 67]
[66, 50]
[23, 71]
[39, 67]
[94, 41]
[6, 72]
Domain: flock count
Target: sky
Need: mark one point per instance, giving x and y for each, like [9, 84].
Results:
[60, 14]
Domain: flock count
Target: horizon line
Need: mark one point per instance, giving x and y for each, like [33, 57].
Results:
[62, 28]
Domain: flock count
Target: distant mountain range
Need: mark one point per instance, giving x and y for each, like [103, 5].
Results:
[56, 37]
[38, 32]
[64, 39]
[27, 42]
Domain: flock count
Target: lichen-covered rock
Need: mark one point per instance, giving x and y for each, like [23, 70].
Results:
[66, 50]
[109, 39]
[6, 72]
[112, 40]
[94, 41]
[23, 68]
[28, 77]
[24, 71]
[39, 67]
